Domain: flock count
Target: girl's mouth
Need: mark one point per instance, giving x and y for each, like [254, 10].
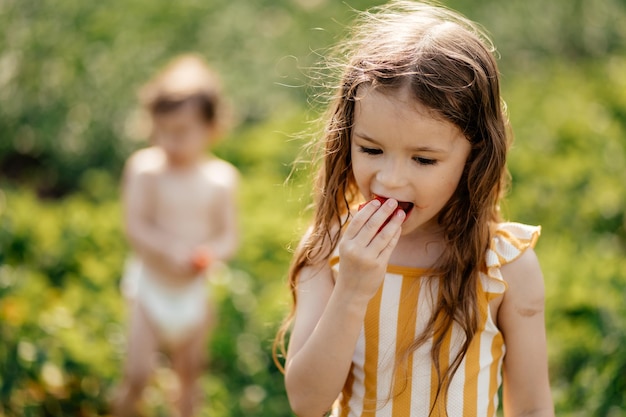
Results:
[405, 206]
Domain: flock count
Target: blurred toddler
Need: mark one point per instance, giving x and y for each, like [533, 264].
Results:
[179, 209]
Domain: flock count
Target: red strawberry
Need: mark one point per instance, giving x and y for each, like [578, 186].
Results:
[405, 206]
[201, 259]
[402, 205]
[381, 199]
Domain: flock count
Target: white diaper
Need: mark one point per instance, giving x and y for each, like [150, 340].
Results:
[175, 310]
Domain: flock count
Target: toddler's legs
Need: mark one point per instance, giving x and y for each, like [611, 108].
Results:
[142, 344]
[188, 361]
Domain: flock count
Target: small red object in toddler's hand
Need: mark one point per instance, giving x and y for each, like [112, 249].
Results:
[201, 259]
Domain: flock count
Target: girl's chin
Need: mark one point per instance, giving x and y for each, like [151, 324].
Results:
[413, 226]
[408, 227]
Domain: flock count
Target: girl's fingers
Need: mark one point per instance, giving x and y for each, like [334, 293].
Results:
[368, 222]
[360, 218]
[385, 241]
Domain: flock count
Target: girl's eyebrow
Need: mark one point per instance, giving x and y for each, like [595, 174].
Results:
[416, 149]
[366, 137]
[429, 149]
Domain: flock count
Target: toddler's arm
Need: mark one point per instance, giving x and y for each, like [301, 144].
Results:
[223, 246]
[521, 319]
[148, 242]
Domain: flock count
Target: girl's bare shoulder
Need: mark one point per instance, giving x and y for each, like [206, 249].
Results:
[526, 289]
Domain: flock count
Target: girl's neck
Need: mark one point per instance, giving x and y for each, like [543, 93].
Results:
[420, 249]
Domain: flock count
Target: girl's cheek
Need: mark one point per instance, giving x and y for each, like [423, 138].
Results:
[357, 169]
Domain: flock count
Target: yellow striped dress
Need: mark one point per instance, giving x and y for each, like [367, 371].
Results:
[398, 313]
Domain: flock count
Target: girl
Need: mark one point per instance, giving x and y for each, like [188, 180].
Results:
[422, 302]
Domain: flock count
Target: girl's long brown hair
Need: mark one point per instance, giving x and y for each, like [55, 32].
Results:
[447, 62]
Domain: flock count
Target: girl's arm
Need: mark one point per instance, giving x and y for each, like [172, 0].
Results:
[329, 315]
[526, 390]
[322, 343]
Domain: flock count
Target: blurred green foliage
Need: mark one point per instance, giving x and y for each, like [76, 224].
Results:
[568, 165]
[62, 318]
[69, 71]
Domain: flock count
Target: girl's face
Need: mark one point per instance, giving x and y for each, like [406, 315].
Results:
[400, 150]
[182, 134]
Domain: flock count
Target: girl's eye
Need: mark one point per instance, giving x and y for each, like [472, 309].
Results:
[425, 161]
[370, 151]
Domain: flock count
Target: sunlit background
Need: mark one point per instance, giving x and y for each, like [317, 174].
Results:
[69, 72]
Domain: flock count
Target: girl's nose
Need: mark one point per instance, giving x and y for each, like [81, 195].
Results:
[391, 175]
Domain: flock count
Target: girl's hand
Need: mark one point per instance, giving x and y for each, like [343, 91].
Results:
[366, 247]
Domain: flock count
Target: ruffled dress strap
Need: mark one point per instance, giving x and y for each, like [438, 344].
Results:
[508, 243]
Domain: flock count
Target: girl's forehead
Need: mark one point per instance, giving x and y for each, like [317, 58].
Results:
[384, 114]
[401, 96]
[399, 103]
